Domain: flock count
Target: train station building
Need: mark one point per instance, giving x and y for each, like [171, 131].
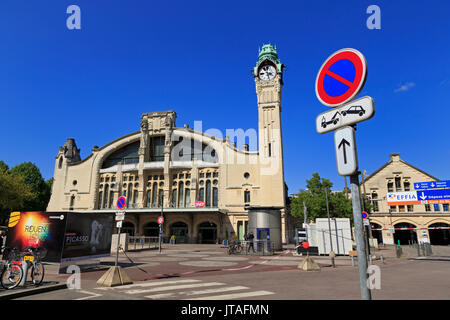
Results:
[416, 221]
[204, 186]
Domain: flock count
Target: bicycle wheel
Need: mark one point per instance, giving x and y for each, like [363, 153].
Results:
[37, 273]
[11, 276]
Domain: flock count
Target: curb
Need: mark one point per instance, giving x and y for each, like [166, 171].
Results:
[30, 292]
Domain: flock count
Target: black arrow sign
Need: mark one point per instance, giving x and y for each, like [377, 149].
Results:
[343, 143]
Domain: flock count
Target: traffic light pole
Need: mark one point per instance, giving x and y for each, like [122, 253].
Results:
[359, 237]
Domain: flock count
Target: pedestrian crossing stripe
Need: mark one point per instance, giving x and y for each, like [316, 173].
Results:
[198, 290]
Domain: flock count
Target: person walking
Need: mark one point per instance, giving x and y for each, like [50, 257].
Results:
[250, 238]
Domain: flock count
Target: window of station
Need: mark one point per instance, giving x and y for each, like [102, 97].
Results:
[445, 207]
[126, 155]
[398, 184]
[157, 148]
[208, 191]
[375, 202]
[154, 191]
[410, 208]
[390, 187]
[401, 208]
[392, 208]
[407, 186]
[246, 196]
[187, 149]
[436, 207]
[106, 192]
[427, 207]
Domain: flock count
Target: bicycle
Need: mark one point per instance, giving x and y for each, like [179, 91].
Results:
[12, 271]
[32, 256]
[234, 247]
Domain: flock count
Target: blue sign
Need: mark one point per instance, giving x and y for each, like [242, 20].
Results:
[364, 215]
[432, 185]
[427, 195]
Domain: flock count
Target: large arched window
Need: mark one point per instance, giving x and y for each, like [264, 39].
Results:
[129, 195]
[186, 149]
[105, 200]
[99, 204]
[375, 202]
[60, 161]
[215, 197]
[180, 194]
[174, 198]
[155, 193]
[157, 148]
[208, 193]
[149, 198]
[188, 198]
[127, 154]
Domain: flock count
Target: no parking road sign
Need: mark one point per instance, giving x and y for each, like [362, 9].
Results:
[341, 77]
[160, 220]
[121, 203]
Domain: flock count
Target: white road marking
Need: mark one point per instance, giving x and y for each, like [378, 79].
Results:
[195, 292]
[183, 286]
[149, 284]
[233, 295]
[91, 295]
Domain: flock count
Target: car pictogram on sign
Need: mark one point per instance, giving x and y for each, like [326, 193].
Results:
[354, 110]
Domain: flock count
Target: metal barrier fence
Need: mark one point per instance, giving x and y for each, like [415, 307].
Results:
[139, 243]
[259, 247]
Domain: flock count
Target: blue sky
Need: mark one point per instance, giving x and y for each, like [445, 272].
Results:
[195, 57]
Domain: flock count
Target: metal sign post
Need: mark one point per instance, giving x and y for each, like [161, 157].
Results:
[120, 216]
[160, 221]
[338, 82]
[359, 237]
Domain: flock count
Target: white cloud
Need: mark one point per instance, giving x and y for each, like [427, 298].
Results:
[405, 87]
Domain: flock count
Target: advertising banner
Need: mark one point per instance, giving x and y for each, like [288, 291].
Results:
[37, 229]
[88, 235]
[402, 198]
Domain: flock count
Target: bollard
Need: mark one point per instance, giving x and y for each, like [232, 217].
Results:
[423, 249]
[418, 249]
[370, 259]
[353, 261]
[382, 259]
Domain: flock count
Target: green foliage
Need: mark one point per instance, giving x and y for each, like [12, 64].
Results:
[33, 178]
[314, 199]
[3, 166]
[14, 194]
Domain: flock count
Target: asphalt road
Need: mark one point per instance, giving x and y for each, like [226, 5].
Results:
[207, 272]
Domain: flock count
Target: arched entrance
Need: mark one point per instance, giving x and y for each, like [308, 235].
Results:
[207, 232]
[127, 227]
[405, 236]
[439, 237]
[376, 234]
[180, 230]
[151, 229]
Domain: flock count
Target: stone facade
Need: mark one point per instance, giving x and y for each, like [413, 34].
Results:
[397, 176]
[163, 165]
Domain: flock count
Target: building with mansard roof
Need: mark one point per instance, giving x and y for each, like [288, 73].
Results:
[418, 221]
[204, 186]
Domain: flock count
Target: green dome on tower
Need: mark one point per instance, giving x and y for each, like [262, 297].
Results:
[268, 52]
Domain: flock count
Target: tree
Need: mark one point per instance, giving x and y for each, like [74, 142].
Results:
[33, 178]
[3, 166]
[314, 199]
[14, 193]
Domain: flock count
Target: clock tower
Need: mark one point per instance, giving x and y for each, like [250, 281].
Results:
[268, 75]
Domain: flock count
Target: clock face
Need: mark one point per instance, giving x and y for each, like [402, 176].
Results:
[267, 72]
